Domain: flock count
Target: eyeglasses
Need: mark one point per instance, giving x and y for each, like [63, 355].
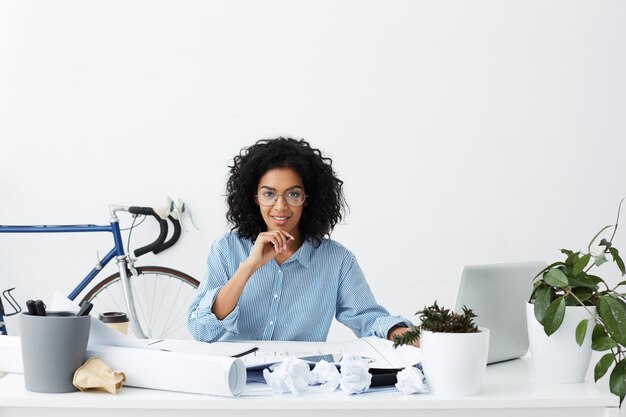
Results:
[294, 198]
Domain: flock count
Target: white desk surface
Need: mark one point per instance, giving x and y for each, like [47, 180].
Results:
[508, 390]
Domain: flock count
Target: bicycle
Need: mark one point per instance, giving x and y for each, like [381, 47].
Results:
[155, 298]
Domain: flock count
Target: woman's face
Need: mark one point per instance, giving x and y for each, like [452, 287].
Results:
[284, 184]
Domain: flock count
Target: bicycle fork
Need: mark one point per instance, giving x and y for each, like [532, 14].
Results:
[128, 298]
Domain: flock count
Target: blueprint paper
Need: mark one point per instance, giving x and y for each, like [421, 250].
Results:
[174, 371]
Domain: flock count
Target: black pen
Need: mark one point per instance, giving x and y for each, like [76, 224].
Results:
[40, 308]
[30, 306]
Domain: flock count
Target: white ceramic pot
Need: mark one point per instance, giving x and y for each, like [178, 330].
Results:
[454, 363]
[558, 358]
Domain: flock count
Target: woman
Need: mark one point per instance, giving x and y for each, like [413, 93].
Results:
[277, 275]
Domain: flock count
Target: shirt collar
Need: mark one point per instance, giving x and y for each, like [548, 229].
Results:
[303, 254]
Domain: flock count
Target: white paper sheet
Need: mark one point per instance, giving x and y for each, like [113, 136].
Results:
[11, 354]
[380, 351]
[203, 348]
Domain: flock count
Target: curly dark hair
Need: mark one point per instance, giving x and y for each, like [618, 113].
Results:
[325, 204]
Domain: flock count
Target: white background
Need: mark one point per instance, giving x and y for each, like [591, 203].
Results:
[466, 131]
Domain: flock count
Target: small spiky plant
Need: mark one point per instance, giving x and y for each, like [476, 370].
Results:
[438, 320]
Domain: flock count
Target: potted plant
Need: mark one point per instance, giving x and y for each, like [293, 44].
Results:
[454, 350]
[601, 319]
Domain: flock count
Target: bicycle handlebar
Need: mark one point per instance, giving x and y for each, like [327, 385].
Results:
[158, 243]
[173, 239]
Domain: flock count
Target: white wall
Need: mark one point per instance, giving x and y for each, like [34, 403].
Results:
[466, 132]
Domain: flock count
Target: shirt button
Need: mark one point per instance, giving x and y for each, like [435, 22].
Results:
[275, 295]
[271, 323]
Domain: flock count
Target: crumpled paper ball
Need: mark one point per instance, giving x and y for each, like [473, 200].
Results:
[291, 375]
[355, 378]
[95, 374]
[411, 380]
[325, 376]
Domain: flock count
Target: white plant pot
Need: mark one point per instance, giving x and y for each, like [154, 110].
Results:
[454, 363]
[558, 358]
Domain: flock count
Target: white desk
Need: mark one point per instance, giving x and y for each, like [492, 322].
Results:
[508, 390]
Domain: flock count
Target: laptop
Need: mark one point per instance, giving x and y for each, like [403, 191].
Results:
[498, 294]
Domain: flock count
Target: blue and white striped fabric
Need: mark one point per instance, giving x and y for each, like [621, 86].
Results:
[293, 301]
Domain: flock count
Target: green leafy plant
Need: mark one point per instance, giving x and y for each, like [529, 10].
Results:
[439, 320]
[571, 283]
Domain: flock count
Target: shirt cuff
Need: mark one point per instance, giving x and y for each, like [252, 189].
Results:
[382, 325]
[205, 316]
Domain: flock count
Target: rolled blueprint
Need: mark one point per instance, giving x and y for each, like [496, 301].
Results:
[175, 371]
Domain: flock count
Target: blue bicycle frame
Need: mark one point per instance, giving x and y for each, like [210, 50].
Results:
[118, 249]
[117, 252]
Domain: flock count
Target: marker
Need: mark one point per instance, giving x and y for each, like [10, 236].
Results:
[85, 309]
[40, 308]
[30, 306]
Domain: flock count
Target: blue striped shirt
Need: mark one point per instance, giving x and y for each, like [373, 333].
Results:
[293, 301]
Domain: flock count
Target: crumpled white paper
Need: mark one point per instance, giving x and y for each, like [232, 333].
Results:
[325, 375]
[291, 375]
[411, 381]
[355, 379]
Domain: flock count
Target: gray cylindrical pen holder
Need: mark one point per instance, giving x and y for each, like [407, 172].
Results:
[53, 347]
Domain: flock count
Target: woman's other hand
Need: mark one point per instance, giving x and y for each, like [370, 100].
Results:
[398, 331]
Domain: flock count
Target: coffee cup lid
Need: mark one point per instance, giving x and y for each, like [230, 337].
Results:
[113, 317]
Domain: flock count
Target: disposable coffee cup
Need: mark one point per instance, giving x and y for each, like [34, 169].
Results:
[53, 347]
[116, 320]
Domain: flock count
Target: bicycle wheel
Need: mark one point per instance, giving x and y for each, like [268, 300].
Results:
[162, 297]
